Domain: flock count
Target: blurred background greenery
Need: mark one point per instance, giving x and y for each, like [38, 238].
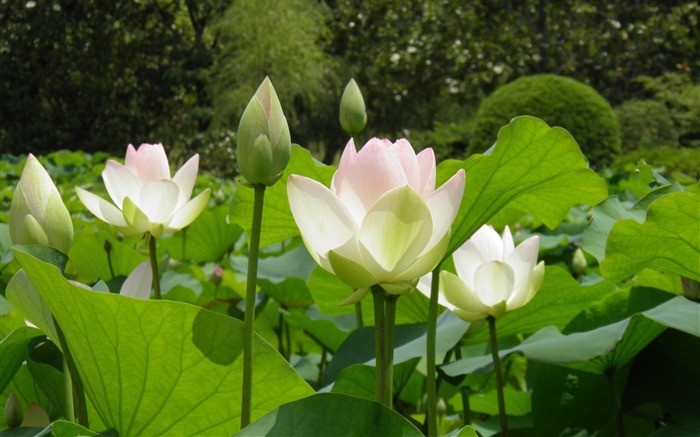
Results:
[96, 76]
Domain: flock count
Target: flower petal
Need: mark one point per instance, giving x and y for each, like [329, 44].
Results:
[426, 163]
[137, 221]
[189, 212]
[425, 286]
[323, 221]
[444, 204]
[462, 298]
[396, 230]
[350, 272]
[120, 182]
[57, 224]
[158, 199]
[151, 163]
[102, 209]
[489, 243]
[406, 156]
[346, 160]
[138, 283]
[32, 232]
[508, 245]
[527, 291]
[467, 258]
[426, 262]
[493, 282]
[357, 296]
[37, 186]
[185, 178]
[523, 259]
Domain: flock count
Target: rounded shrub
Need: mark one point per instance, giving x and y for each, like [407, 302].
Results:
[559, 101]
[645, 124]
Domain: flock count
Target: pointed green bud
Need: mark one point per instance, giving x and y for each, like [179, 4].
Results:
[263, 142]
[13, 411]
[37, 213]
[353, 116]
[578, 262]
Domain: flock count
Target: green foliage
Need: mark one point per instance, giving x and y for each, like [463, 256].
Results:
[671, 161]
[448, 140]
[559, 101]
[645, 124]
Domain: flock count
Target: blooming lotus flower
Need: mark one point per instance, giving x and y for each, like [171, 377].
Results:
[37, 213]
[138, 283]
[382, 222]
[146, 198]
[493, 276]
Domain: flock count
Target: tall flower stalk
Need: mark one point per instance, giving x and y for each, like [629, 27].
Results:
[263, 152]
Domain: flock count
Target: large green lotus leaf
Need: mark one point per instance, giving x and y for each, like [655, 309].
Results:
[62, 428]
[278, 223]
[89, 259]
[208, 238]
[610, 346]
[332, 414]
[24, 296]
[535, 168]
[668, 240]
[606, 214]
[13, 350]
[161, 367]
[557, 302]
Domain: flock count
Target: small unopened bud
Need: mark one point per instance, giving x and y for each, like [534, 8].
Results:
[37, 213]
[107, 246]
[691, 289]
[13, 411]
[217, 276]
[219, 197]
[578, 262]
[263, 142]
[353, 116]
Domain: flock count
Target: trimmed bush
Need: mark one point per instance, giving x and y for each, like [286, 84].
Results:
[645, 124]
[559, 101]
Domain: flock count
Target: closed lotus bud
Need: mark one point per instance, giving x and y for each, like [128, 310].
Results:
[37, 213]
[217, 276]
[578, 262]
[13, 411]
[353, 116]
[263, 141]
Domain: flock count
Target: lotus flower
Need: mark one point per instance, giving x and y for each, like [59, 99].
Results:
[37, 213]
[147, 200]
[382, 222]
[493, 276]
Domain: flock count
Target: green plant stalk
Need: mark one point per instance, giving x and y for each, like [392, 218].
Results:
[154, 265]
[249, 319]
[390, 301]
[430, 352]
[466, 407]
[359, 323]
[499, 376]
[75, 396]
[380, 344]
[617, 402]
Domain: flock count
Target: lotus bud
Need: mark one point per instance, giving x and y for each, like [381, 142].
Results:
[217, 276]
[37, 213]
[264, 145]
[353, 116]
[578, 262]
[13, 411]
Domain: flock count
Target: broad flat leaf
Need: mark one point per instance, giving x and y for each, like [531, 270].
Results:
[278, 223]
[330, 331]
[208, 238]
[535, 168]
[587, 350]
[332, 414]
[559, 300]
[517, 402]
[62, 428]
[161, 367]
[13, 350]
[22, 294]
[669, 240]
[89, 259]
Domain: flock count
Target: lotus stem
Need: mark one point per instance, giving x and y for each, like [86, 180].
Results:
[380, 344]
[358, 315]
[249, 319]
[154, 265]
[390, 301]
[76, 406]
[430, 353]
[499, 376]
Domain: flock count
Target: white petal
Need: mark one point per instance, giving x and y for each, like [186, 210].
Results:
[528, 289]
[346, 160]
[425, 285]
[137, 221]
[493, 282]
[406, 156]
[120, 183]
[189, 212]
[158, 200]
[459, 296]
[395, 231]
[444, 204]
[508, 245]
[467, 258]
[102, 209]
[489, 243]
[151, 163]
[323, 221]
[138, 283]
[185, 179]
[426, 163]
[523, 259]
[37, 186]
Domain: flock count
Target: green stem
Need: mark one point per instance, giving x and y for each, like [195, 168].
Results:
[358, 315]
[499, 376]
[430, 353]
[154, 265]
[617, 402]
[380, 344]
[68, 392]
[249, 320]
[390, 301]
[466, 407]
[75, 400]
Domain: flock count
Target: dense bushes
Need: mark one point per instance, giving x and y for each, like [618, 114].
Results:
[559, 101]
[645, 123]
